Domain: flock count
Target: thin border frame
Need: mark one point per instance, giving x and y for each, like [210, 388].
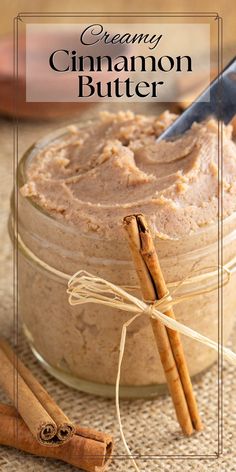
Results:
[216, 16]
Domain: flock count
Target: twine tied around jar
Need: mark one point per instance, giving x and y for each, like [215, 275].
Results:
[84, 287]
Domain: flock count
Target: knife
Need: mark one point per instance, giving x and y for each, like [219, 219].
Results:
[218, 100]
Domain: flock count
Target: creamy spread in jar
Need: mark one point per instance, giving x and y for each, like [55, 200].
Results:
[80, 185]
[115, 167]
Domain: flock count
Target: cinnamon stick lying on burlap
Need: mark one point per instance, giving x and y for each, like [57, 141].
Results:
[46, 421]
[88, 449]
[168, 341]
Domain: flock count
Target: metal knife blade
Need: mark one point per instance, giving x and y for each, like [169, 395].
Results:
[222, 104]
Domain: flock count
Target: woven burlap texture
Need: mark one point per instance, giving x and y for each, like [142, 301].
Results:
[150, 426]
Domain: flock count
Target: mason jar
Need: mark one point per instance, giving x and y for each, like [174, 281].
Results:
[79, 345]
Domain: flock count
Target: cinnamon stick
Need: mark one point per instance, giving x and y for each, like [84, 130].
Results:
[46, 421]
[88, 449]
[132, 226]
[150, 257]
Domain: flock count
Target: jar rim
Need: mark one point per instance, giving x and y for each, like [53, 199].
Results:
[207, 275]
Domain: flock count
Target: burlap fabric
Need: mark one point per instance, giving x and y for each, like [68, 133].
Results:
[150, 425]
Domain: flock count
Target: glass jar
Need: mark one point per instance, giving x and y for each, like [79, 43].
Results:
[80, 344]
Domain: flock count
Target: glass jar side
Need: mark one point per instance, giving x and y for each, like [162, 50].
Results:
[80, 345]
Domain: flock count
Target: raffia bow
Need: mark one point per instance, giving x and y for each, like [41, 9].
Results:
[84, 287]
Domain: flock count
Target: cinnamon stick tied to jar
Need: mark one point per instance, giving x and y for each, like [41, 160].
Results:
[46, 421]
[88, 449]
[168, 341]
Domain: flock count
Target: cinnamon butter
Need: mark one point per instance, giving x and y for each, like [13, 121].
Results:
[76, 186]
